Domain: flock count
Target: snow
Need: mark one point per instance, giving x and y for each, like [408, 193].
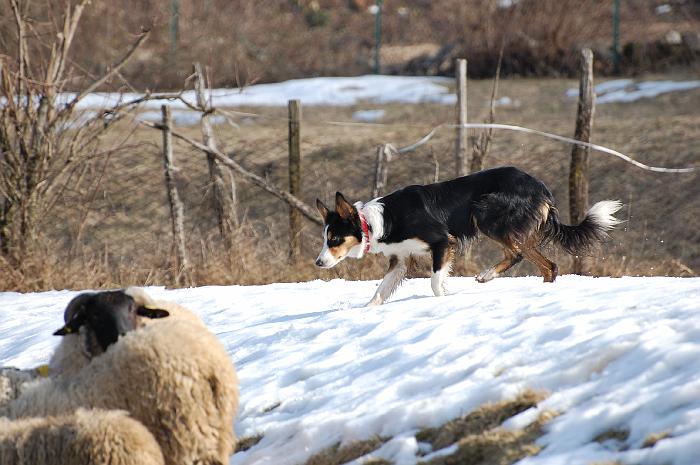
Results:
[180, 117]
[627, 90]
[340, 91]
[318, 367]
[368, 116]
[663, 9]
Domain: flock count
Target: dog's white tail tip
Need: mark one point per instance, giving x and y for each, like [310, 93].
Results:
[602, 213]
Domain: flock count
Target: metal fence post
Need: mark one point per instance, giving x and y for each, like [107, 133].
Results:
[616, 36]
[377, 36]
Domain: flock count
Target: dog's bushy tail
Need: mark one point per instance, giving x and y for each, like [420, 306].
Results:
[593, 229]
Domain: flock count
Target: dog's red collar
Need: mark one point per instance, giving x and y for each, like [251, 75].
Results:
[365, 231]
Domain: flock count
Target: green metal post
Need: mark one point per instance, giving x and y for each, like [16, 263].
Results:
[174, 26]
[377, 36]
[616, 36]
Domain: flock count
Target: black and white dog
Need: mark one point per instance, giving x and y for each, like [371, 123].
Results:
[505, 204]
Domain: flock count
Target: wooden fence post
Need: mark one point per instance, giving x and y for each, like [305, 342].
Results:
[176, 209]
[224, 194]
[295, 221]
[461, 144]
[381, 170]
[578, 172]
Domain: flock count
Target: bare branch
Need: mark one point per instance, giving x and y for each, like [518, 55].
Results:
[108, 74]
[295, 202]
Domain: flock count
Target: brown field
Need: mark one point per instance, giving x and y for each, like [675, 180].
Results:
[113, 229]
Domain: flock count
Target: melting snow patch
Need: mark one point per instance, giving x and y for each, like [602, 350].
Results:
[336, 91]
[368, 116]
[626, 90]
[180, 117]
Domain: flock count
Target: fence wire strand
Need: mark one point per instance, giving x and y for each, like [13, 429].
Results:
[509, 127]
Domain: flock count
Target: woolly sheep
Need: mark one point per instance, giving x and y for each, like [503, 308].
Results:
[171, 374]
[87, 436]
[94, 321]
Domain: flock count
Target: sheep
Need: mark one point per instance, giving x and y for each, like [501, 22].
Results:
[93, 321]
[171, 374]
[86, 436]
[11, 382]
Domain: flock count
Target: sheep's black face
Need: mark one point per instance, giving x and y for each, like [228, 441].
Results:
[104, 316]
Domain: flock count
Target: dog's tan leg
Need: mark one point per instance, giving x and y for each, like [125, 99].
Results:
[392, 279]
[512, 258]
[547, 267]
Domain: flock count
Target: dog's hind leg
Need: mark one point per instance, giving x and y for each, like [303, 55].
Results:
[547, 267]
[512, 258]
[396, 273]
[443, 254]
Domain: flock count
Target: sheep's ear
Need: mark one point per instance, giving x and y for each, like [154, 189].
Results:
[152, 312]
[343, 207]
[73, 326]
[322, 209]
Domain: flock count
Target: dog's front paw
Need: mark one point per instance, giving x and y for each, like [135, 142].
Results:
[375, 302]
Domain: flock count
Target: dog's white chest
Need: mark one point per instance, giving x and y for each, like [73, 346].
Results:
[401, 249]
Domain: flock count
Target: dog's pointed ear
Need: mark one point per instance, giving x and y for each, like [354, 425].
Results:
[149, 311]
[343, 207]
[322, 209]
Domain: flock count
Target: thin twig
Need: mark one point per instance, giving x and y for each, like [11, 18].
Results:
[108, 74]
[295, 202]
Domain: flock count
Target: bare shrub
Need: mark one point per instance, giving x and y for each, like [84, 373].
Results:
[44, 140]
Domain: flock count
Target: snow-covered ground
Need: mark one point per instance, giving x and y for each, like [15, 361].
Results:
[345, 91]
[318, 367]
[340, 91]
[627, 90]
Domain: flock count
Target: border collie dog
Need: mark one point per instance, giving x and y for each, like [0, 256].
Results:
[505, 204]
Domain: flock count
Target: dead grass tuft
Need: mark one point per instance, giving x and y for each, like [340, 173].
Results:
[482, 419]
[653, 438]
[494, 447]
[337, 455]
[620, 435]
[479, 439]
[248, 442]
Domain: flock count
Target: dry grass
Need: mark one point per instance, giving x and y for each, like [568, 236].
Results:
[118, 233]
[482, 419]
[247, 442]
[652, 439]
[338, 455]
[495, 447]
[619, 435]
[479, 438]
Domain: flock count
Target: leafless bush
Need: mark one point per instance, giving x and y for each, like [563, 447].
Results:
[45, 141]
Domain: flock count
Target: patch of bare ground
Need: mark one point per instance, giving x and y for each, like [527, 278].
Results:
[652, 439]
[247, 442]
[477, 435]
[479, 438]
[337, 454]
